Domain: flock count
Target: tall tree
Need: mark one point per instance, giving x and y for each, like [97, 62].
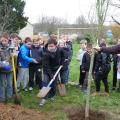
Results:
[12, 15]
[117, 6]
[101, 12]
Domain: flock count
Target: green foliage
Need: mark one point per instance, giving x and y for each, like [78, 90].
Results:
[89, 38]
[11, 15]
[112, 42]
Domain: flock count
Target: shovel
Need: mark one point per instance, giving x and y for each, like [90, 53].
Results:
[44, 91]
[61, 88]
[16, 96]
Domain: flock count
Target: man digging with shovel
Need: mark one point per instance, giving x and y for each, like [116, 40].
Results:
[53, 60]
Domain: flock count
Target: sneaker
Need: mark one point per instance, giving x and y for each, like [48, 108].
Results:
[52, 99]
[80, 86]
[30, 88]
[25, 89]
[42, 103]
[105, 94]
[113, 88]
[96, 94]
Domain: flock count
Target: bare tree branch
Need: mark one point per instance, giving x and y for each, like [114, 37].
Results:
[115, 20]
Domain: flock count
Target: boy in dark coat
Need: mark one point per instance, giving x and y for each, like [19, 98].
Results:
[64, 73]
[101, 70]
[35, 69]
[53, 57]
[85, 66]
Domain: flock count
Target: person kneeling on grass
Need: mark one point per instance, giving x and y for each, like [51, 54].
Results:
[53, 57]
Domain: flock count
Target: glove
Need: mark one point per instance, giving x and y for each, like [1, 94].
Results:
[7, 68]
[66, 61]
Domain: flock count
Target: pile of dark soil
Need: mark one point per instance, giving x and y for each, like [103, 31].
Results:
[79, 114]
[13, 112]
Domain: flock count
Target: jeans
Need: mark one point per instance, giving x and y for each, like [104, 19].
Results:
[64, 76]
[23, 77]
[6, 86]
[46, 80]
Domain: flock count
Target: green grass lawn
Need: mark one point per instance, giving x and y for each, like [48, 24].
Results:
[74, 98]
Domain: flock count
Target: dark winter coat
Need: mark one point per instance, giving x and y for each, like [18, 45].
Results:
[69, 46]
[36, 53]
[113, 50]
[52, 60]
[86, 62]
[67, 56]
[102, 62]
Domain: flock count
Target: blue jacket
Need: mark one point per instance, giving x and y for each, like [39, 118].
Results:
[23, 57]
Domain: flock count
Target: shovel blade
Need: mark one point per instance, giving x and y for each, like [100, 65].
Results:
[17, 99]
[43, 92]
[62, 90]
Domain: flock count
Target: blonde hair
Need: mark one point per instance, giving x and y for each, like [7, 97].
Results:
[35, 38]
[61, 41]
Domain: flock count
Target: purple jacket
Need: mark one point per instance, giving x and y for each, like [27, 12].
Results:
[113, 50]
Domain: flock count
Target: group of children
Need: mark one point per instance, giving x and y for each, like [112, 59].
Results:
[101, 67]
[36, 63]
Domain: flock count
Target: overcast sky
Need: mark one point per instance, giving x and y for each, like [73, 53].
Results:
[69, 9]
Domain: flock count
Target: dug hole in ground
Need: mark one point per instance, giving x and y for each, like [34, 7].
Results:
[14, 112]
[79, 114]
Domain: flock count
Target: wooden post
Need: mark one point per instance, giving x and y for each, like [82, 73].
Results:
[89, 86]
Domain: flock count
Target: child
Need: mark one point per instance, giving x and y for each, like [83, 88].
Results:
[118, 72]
[41, 42]
[6, 76]
[23, 65]
[83, 45]
[115, 57]
[101, 70]
[52, 59]
[85, 65]
[35, 69]
[64, 71]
